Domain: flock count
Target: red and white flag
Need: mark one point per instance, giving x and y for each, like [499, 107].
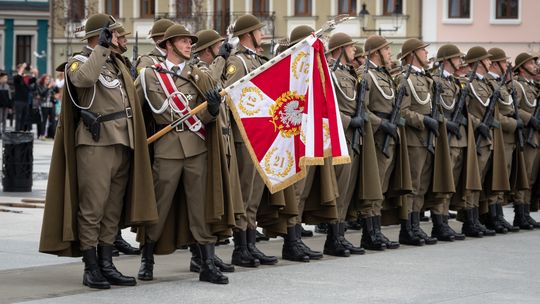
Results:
[288, 115]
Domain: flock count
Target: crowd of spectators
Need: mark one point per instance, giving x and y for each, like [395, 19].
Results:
[29, 99]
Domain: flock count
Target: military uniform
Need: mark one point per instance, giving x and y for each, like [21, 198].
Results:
[241, 62]
[157, 55]
[527, 93]
[100, 153]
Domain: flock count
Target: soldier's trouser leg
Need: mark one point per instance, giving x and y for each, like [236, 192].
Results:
[194, 181]
[252, 186]
[532, 162]
[101, 192]
[298, 189]
[483, 167]
[167, 173]
[457, 157]
[421, 173]
[347, 176]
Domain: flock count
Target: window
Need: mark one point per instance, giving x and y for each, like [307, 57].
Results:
[112, 7]
[222, 16]
[506, 9]
[302, 8]
[392, 7]
[24, 49]
[459, 9]
[184, 8]
[347, 7]
[261, 7]
[147, 8]
[76, 11]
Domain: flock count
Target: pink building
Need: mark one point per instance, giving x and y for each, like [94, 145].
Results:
[512, 25]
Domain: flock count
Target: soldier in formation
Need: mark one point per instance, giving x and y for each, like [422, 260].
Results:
[449, 139]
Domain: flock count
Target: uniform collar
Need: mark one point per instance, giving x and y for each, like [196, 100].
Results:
[494, 75]
[170, 65]
[162, 52]
[480, 76]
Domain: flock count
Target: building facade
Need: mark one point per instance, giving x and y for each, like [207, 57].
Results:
[509, 24]
[280, 17]
[24, 29]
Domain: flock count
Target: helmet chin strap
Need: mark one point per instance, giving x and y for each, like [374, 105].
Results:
[177, 52]
[500, 68]
[253, 40]
[383, 62]
[484, 65]
[452, 64]
[528, 71]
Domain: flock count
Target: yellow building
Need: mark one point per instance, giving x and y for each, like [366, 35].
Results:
[280, 16]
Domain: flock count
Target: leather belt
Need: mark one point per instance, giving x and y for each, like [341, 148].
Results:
[128, 113]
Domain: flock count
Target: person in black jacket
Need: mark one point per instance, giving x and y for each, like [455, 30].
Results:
[24, 87]
[5, 99]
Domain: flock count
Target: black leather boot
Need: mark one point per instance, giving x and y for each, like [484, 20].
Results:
[260, 236]
[321, 228]
[369, 239]
[406, 234]
[519, 218]
[312, 254]
[146, 271]
[530, 220]
[415, 225]
[491, 221]
[377, 227]
[304, 232]
[469, 227]
[255, 252]
[241, 255]
[439, 229]
[123, 246]
[503, 221]
[195, 262]
[457, 236]
[332, 245]
[484, 229]
[209, 271]
[109, 271]
[292, 250]
[341, 237]
[92, 276]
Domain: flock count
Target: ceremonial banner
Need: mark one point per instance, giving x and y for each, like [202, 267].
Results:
[288, 115]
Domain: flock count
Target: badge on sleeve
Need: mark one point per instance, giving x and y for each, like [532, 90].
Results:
[231, 69]
[74, 66]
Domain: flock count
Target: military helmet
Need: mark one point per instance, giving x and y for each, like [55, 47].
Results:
[522, 58]
[245, 24]
[476, 53]
[375, 43]
[207, 38]
[497, 54]
[448, 51]
[96, 22]
[174, 31]
[358, 50]
[411, 45]
[300, 32]
[159, 27]
[339, 40]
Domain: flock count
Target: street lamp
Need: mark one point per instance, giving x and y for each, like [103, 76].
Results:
[364, 13]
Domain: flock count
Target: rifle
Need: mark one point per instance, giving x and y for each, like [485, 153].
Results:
[532, 132]
[519, 131]
[457, 115]
[360, 111]
[488, 117]
[135, 55]
[395, 116]
[437, 90]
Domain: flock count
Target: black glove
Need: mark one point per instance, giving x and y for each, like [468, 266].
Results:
[534, 123]
[214, 100]
[453, 127]
[105, 37]
[357, 122]
[483, 130]
[432, 125]
[225, 50]
[389, 128]
[519, 123]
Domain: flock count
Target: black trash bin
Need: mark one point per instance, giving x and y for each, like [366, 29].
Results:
[17, 161]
